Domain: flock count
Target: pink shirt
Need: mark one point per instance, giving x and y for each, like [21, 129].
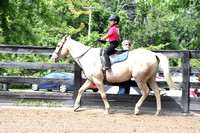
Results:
[192, 94]
[113, 34]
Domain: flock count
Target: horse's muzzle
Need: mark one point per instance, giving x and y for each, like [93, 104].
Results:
[55, 58]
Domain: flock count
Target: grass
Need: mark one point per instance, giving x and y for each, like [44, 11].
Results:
[26, 89]
[35, 103]
[17, 90]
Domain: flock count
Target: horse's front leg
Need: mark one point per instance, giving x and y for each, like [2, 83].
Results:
[107, 106]
[100, 86]
[86, 85]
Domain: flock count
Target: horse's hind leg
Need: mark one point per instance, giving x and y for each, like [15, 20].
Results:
[81, 90]
[145, 91]
[156, 91]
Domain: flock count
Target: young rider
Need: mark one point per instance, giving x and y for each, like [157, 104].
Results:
[113, 35]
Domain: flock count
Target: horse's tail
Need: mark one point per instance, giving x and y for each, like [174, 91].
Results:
[164, 65]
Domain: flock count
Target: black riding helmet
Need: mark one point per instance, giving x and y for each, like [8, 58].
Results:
[114, 17]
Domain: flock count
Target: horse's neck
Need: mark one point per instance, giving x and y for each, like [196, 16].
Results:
[77, 49]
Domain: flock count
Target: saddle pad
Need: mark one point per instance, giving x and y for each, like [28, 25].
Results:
[114, 58]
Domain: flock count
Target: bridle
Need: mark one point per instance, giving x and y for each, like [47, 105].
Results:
[58, 52]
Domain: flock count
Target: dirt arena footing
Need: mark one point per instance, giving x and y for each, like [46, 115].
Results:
[118, 103]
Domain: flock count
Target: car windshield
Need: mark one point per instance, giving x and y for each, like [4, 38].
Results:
[161, 75]
[50, 75]
[63, 75]
[193, 76]
[58, 75]
[177, 74]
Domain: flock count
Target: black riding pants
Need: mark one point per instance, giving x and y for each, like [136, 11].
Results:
[109, 51]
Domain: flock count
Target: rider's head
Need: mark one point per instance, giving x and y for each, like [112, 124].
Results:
[126, 44]
[114, 20]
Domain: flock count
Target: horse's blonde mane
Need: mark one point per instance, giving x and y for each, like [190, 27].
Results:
[81, 48]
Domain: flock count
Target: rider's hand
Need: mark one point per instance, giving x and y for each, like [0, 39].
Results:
[102, 41]
[99, 39]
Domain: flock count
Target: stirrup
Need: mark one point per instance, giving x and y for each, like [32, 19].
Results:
[106, 68]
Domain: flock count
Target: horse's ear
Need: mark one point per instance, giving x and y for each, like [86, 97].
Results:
[69, 38]
[65, 37]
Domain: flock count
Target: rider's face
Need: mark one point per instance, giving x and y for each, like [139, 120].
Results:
[112, 22]
[126, 46]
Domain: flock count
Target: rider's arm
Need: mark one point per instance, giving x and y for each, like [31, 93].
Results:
[105, 37]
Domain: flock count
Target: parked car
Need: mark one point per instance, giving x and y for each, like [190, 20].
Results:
[193, 78]
[62, 88]
[160, 77]
[177, 77]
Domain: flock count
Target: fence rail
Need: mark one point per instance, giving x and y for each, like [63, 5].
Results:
[31, 65]
[186, 70]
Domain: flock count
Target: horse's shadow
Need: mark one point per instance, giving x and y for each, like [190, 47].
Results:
[126, 104]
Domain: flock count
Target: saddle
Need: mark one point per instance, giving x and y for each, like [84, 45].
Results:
[115, 57]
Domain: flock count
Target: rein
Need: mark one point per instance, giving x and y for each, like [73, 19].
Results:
[79, 63]
[79, 57]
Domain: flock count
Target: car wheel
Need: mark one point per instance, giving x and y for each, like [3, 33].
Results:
[49, 90]
[63, 88]
[35, 87]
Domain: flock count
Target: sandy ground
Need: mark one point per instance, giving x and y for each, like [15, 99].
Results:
[65, 120]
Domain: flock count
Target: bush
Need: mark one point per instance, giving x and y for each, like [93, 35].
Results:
[18, 86]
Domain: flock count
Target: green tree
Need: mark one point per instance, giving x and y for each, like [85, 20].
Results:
[36, 23]
[42, 23]
[188, 13]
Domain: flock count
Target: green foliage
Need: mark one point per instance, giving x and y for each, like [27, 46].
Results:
[187, 16]
[43, 23]
[151, 47]
[195, 62]
[92, 41]
[40, 23]
[1, 87]
[175, 62]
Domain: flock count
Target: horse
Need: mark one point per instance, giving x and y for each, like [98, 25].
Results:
[142, 65]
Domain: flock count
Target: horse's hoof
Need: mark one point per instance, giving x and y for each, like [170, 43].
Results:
[76, 107]
[136, 111]
[157, 114]
[106, 113]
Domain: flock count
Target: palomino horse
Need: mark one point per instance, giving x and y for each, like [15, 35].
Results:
[142, 65]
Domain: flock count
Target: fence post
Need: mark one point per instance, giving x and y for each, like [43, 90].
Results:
[77, 80]
[5, 86]
[186, 82]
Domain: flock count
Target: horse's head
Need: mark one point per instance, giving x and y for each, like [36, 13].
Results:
[60, 50]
